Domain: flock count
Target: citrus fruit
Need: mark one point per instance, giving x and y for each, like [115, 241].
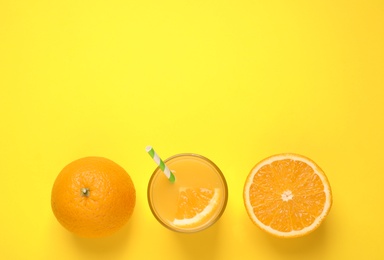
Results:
[93, 197]
[287, 195]
[195, 205]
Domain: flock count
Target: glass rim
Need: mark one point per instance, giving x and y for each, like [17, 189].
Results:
[224, 203]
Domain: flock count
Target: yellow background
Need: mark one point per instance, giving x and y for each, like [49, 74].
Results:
[235, 81]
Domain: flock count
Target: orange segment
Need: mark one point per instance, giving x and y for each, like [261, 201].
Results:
[287, 195]
[195, 205]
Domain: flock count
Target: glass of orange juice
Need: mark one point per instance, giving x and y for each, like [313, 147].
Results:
[195, 200]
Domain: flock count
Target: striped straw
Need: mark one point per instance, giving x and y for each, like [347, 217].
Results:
[160, 163]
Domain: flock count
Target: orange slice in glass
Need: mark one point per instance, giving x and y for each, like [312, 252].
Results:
[195, 205]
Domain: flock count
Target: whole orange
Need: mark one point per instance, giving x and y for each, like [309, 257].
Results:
[93, 197]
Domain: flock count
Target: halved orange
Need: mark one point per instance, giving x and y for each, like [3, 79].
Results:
[195, 205]
[287, 195]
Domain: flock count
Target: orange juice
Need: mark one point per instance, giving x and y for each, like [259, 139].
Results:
[196, 199]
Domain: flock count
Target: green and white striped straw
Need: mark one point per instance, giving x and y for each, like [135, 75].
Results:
[160, 163]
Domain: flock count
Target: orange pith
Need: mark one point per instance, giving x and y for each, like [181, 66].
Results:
[287, 195]
[93, 197]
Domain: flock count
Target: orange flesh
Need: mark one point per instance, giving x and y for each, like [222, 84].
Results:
[297, 211]
[192, 202]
